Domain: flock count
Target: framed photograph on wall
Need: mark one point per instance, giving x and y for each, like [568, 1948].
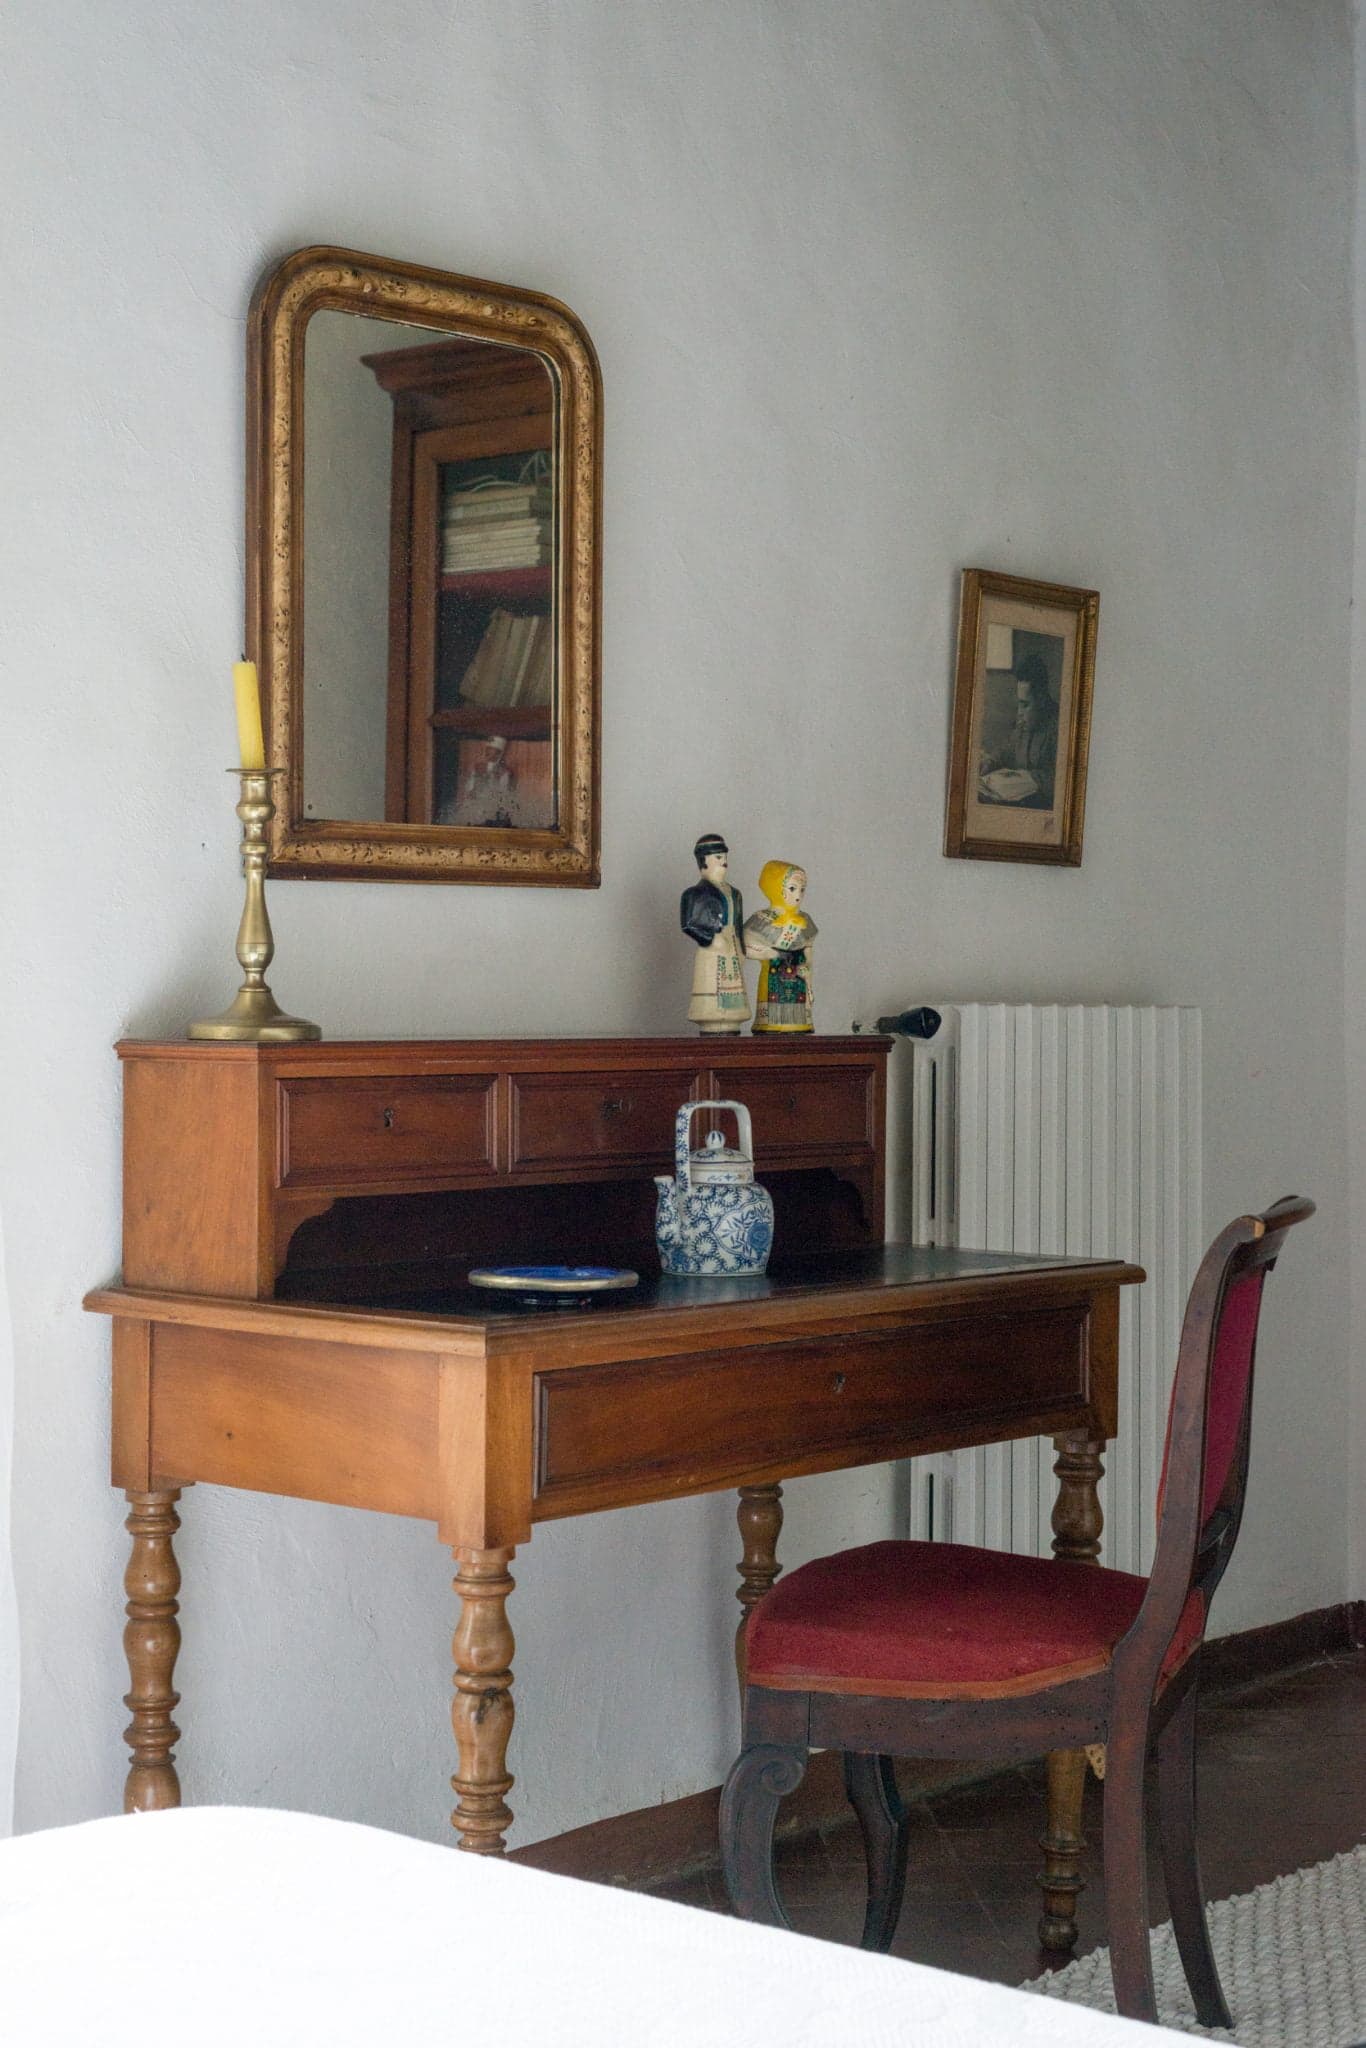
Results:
[1021, 720]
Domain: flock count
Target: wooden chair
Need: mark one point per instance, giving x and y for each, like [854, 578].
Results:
[939, 1650]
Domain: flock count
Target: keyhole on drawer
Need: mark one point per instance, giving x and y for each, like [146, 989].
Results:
[837, 1382]
[791, 1105]
[388, 1119]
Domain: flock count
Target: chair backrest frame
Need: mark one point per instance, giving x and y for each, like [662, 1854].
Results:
[1193, 1548]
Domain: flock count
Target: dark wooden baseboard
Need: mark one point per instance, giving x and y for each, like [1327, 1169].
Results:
[657, 1843]
[1230, 1661]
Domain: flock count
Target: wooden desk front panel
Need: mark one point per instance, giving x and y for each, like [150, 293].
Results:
[488, 1430]
[612, 1435]
[357, 1425]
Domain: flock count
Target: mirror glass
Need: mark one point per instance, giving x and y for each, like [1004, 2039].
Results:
[430, 678]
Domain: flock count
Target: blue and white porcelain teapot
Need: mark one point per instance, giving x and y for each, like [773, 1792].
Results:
[713, 1217]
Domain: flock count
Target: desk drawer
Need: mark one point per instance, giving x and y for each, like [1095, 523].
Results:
[610, 1435]
[387, 1130]
[567, 1121]
[804, 1109]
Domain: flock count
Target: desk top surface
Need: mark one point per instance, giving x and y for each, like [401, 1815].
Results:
[888, 1275]
[882, 1267]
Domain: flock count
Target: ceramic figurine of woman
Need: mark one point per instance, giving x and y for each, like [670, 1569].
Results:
[711, 913]
[781, 937]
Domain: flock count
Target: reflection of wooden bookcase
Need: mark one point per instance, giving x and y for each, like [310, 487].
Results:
[455, 402]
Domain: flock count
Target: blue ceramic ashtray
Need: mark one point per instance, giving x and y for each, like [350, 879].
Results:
[552, 1286]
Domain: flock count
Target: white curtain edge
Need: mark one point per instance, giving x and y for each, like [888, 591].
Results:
[9, 1604]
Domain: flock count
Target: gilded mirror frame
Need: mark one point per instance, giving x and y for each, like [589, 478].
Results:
[342, 280]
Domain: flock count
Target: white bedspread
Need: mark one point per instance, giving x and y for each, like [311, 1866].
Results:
[236, 1925]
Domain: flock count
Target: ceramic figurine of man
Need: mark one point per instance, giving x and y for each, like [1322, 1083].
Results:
[781, 937]
[711, 913]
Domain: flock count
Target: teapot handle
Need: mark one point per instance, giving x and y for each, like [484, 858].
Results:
[683, 1141]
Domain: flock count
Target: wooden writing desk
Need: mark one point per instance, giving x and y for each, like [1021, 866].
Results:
[294, 1319]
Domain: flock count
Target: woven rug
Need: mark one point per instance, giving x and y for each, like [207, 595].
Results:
[1291, 1956]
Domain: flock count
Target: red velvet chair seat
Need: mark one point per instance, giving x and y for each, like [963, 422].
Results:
[944, 1621]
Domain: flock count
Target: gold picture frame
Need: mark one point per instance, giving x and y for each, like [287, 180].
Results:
[391, 844]
[1021, 720]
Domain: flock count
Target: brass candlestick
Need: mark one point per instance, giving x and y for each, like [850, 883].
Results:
[254, 1016]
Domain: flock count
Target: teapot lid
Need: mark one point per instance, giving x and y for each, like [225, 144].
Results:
[718, 1164]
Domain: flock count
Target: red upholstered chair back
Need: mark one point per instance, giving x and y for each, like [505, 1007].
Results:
[1204, 1464]
[1230, 1383]
[1229, 1392]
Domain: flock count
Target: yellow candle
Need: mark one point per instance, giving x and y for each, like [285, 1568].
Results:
[249, 735]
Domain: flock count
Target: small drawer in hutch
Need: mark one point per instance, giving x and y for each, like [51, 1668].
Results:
[805, 1109]
[609, 1119]
[387, 1130]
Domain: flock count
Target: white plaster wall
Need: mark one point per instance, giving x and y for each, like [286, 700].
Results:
[879, 289]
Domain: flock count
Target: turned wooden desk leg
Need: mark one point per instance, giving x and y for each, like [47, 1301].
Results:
[481, 1711]
[1077, 1524]
[151, 1643]
[760, 1520]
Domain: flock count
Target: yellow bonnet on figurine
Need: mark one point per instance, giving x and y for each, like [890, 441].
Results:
[773, 876]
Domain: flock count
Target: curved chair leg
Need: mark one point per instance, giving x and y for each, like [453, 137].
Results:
[1126, 1874]
[1181, 1863]
[761, 1775]
[870, 1782]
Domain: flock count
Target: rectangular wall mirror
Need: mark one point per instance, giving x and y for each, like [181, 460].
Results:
[423, 533]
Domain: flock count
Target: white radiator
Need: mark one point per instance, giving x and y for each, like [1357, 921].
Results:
[1044, 1128]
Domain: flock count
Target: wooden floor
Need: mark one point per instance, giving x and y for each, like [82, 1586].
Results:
[1282, 1783]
